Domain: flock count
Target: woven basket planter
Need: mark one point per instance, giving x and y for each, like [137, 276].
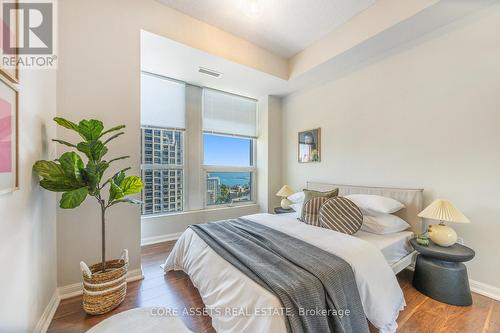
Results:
[102, 292]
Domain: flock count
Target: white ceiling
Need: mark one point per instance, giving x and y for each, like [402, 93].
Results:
[284, 27]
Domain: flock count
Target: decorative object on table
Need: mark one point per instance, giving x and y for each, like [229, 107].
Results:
[104, 283]
[441, 274]
[9, 52]
[423, 239]
[309, 149]
[9, 137]
[141, 320]
[285, 192]
[279, 210]
[443, 210]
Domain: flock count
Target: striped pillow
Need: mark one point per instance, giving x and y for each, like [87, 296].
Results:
[341, 214]
[310, 211]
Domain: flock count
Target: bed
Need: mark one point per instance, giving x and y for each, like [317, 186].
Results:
[230, 296]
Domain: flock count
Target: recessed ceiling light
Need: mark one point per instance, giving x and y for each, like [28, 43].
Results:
[252, 8]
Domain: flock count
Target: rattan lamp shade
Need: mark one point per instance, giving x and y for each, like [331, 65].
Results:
[443, 210]
[285, 191]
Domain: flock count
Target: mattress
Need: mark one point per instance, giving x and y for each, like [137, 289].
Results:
[394, 246]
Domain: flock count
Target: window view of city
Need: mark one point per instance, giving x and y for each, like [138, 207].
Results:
[228, 187]
[162, 170]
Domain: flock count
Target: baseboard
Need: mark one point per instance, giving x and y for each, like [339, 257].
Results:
[76, 289]
[485, 289]
[479, 288]
[160, 239]
[48, 314]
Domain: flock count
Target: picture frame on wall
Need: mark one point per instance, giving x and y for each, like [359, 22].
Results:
[9, 41]
[9, 137]
[309, 146]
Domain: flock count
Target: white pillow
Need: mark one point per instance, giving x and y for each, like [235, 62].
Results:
[297, 197]
[376, 203]
[297, 207]
[382, 224]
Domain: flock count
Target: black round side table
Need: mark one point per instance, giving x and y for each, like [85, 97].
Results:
[441, 274]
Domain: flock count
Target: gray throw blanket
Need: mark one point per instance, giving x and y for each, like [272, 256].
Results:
[314, 286]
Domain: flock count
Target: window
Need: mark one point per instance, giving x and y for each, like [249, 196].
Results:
[162, 170]
[220, 125]
[163, 123]
[229, 125]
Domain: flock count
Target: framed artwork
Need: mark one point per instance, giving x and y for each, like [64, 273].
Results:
[10, 39]
[9, 137]
[310, 146]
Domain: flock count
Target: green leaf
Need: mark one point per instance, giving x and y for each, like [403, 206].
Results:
[127, 200]
[127, 186]
[92, 175]
[64, 143]
[94, 150]
[59, 186]
[119, 177]
[115, 192]
[118, 158]
[54, 177]
[114, 137]
[113, 129]
[90, 129]
[73, 199]
[49, 169]
[66, 124]
[72, 165]
[131, 185]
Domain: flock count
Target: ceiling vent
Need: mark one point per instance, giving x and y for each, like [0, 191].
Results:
[210, 72]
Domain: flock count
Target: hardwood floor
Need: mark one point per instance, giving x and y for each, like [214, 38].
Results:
[175, 290]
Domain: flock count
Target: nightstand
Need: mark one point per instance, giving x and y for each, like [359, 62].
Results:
[279, 210]
[441, 274]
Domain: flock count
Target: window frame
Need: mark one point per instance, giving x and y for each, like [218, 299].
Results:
[154, 166]
[206, 169]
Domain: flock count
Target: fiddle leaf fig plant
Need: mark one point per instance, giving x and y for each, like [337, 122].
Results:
[77, 179]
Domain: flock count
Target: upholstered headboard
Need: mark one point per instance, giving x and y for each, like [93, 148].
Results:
[411, 198]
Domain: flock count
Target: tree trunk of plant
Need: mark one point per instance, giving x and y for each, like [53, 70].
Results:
[103, 234]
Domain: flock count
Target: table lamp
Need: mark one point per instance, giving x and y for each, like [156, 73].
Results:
[284, 192]
[443, 210]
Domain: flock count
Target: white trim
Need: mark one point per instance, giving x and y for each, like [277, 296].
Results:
[76, 289]
[48, 314]
[160, 239]
[196, 211]
[485, 289]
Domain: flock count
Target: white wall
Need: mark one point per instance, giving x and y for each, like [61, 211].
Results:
[28, 216]
[426, 116]
[99, 76]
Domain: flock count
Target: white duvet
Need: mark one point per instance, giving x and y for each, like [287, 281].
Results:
[238, 304]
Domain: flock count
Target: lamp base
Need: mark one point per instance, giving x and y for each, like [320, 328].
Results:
[285, 203]
[442, 235]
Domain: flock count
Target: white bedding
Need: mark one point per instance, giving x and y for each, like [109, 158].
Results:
[224, 288]
[393, 246]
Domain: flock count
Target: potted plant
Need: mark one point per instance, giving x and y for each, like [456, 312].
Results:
[105, 282]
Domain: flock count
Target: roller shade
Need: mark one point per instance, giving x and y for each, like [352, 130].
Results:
[226, 113]
[163, 102]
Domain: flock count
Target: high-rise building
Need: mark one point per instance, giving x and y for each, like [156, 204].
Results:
[213, 190]
[162, 170]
